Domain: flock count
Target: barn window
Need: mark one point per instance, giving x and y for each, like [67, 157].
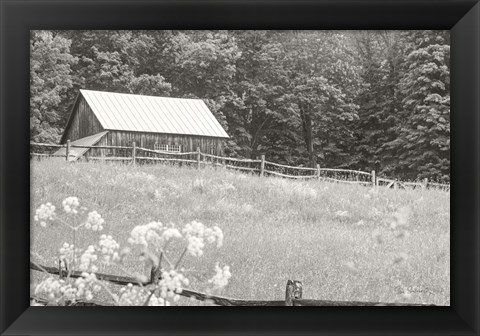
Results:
[174, 148]
[166, 148]
[160, 147]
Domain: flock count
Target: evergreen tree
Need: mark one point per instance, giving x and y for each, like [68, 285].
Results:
[50, 78]
[424, 135]
[380, 53]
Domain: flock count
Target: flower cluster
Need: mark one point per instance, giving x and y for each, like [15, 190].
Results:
[221, 277]
[94, 221]
[171, 284]
[148, 234]
[132, 296]
[170, 233]
[43, 213]
[56, 290]
[109, 248]
[87, 285]
[195, 246]
[70, 205]
[87, 259]
[59, 291]
[196, 233]
[153, 234]
[66, 253]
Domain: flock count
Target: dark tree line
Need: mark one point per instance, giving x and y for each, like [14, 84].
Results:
[360, 99]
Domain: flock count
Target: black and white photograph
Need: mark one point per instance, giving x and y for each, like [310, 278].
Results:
[240, 168]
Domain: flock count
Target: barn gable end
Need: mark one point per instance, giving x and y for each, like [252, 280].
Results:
[82, 122]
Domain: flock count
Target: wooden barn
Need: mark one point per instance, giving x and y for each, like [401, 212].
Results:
[158, 123]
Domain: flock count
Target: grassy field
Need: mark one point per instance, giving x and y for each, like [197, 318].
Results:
[337, 239]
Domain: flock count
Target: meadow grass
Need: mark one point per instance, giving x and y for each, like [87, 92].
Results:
[337, 239]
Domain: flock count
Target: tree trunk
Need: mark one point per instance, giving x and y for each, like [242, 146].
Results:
[308, 137]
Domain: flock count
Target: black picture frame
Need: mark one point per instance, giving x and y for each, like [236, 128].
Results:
[461, 17]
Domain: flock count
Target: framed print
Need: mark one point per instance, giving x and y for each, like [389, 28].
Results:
[240, 153]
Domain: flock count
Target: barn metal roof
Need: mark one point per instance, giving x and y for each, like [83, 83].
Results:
[75, 153]
[129, 112]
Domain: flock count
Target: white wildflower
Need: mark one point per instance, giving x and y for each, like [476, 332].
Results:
[170, 233]
[70, 205]
[109, 248]
[213, 235]
[195, 246]
[221, 277]
[196, 233]
[56, 290]
[87, 259]
[94, 221]
[66, 253]
[194, 229]
[171, 284]
[86, 286]
[148, 234]
[43, 213]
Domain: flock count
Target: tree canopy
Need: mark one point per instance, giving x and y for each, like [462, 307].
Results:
[365, 100]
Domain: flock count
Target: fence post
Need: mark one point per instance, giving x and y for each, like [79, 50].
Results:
[294, 291]
[62, 270]
[134, 152]
[318, 171]
[262, 165]
[198, 157]
[425, 183]
[67, 151]
[374, 179]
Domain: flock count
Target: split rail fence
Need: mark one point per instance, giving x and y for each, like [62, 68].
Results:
[293, 292]
[198, 159]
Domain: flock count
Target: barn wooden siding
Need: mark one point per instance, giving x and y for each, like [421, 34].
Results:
[188, 143]
[84, 122]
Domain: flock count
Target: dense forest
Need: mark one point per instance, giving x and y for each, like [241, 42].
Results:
[344, 99]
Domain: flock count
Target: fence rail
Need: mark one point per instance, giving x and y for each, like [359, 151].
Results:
[236, 163]
[291, 176]
[291, 167]
[293, 292]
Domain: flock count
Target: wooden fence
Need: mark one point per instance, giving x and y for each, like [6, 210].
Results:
[293, 292]
[262, 167]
